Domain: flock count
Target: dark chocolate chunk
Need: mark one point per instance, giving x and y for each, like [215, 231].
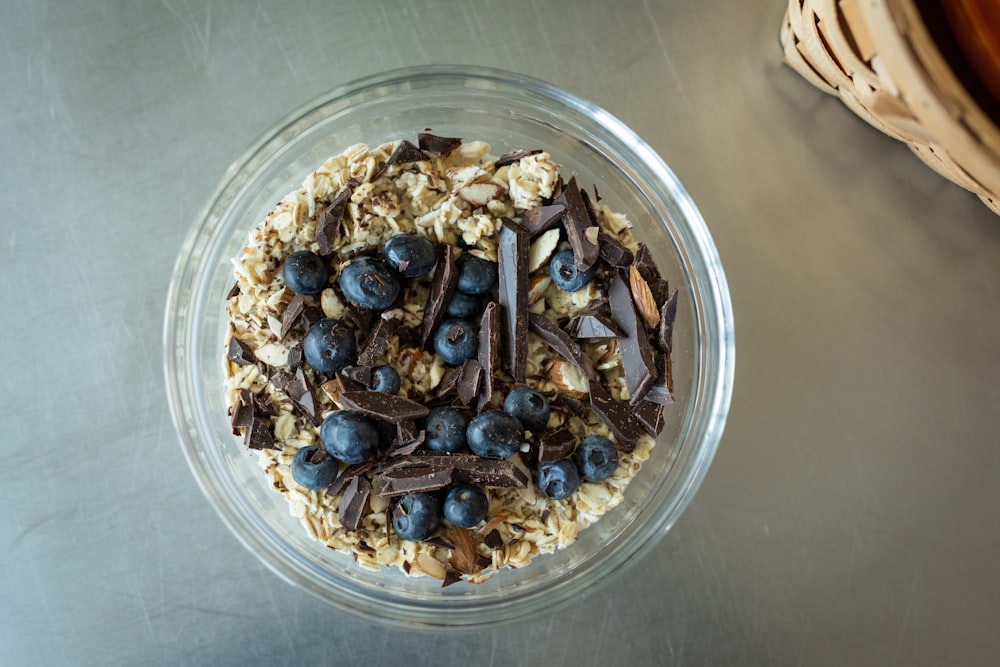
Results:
[292, 313]
[297, 389]
[409, 479]
[259, 436]
[561, 342]
[576, 222]
[310, 316]
[262, 405]
[346, 475]
[449, 385]
[633, 345]
[442, 287]
[542, 218]
[360, 318]
[512, 256]
[240, 353]
[360, 374]
[295, 358]
[593, 325]
[242, 412]
[406, 152]
[451, 576]
[662, 391]
[615, 415]
[354, 502]
[489, 351]
[406, 431]
[435, 144]
[233, 291]
[650, 416]
[493, 540]
[470, 373]
[466, 468]
[668, 313]
[407, 440]
[614, 253]
[331, 219]
[511, 158]
[377, 341]
[646, 265]
[556, 445]
[383, 406]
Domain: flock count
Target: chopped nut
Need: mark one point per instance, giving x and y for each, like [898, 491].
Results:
[642, 296]
[536, 288]
[479, 194]
[542, 249]
[569, 379]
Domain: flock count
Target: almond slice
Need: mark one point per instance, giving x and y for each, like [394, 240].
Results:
[542, 249]
[479, 194]
[642, 296]
[536, 288]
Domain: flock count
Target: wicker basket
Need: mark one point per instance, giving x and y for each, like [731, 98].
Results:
[878, 57]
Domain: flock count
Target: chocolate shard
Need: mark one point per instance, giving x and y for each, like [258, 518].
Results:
[408, 438]
[556, 445]
[360, 318]
[449, 385]
[242, 412]
[346, 475]
[633, 345]
[297, 389]
[451, 576]
[493, 539]
[331, 219]
[542, 218]
[262, 405]
[578, 223]
[650, 416]
[593, 325]
[614, 253]
[647, 268]
[406, 152]
[467, 468]
[668, 313]
[470, 373]
[616, 416]
[360, 374]
[662, 391]
[512, 256]
[233, 291]
[442, 287]
[240, 353]
[259, 436]
[310, 316]
[562, 343]
[410, 479]
[432, 143]
[383, 406]
[292, 313]
[354, 502]
[377, 341]
[511, 158]
[295, 357]
[489, 351]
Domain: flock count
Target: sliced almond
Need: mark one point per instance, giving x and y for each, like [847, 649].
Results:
[569, 379]
[591, 234]
[536, 288]
[331, 304]
[463, 553]
[429, 565]
[332, 389]
[542, 249]
[479, 194]
[642, 296]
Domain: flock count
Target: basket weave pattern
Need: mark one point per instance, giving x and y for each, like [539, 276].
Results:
[878, 58]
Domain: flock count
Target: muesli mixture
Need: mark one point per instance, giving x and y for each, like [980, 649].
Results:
[446, 361]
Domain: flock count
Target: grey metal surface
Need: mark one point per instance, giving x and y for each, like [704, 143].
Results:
[851, 515]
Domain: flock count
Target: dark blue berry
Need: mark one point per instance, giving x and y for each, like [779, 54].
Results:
[465, 505]
[465, 306]
[349, 437]
[313, 468]
[445, 430]
[475, 274]
[385, 378]
[456, 341]
[416, 516]
[411, 254]
[494, 434]
[558, 479]
[529, 406]
[305, 272]
[565, 274]
[596, 458]
[329, 345]
[369, 283]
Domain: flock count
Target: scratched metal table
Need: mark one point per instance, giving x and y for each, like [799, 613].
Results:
[850, 518]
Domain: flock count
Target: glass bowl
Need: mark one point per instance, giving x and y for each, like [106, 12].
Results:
[509, 111]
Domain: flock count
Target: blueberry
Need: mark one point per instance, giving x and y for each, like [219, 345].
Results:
[475, 275]
[369, 283]
[329, 345]
[456, 341]
[565, 274]
[529, 406]
[494, 434]
[558, 479]
[349, 437]
[385, 378]
[416, 516]
[312, 473]
[596, 458]
[445, 430]
[465, 505]
[411, 254]
[465, 306]
[305, 272]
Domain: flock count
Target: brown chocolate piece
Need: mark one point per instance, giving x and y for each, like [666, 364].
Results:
[408, 438]
[331, 219]
[310, 316]
[377, 341]
[576, 223]
[542, 218]
[614, 253]
[360, 318]
[489, 351]
[593, 325]
[647, 268]
[354, 502]
[451, 576]
[383, 406]
[262, 405]
[297, 389]
[449, 385]
[233, 291]
[360, 374]
[346, 475]
[615, 415]
[466, 468]
[511, 158]
[240, 353]
[512, 256]
[259, 436]
[662, 391]
[470, 373]
[242, 412]
[435, 144]
[493, 540]
[442, 287]
[406, 152]
[667, 316]
[556, 445]
[633, 345]
[295, 357]
[562, 343]
[292, 313]
[650, 416]
[410, 479]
